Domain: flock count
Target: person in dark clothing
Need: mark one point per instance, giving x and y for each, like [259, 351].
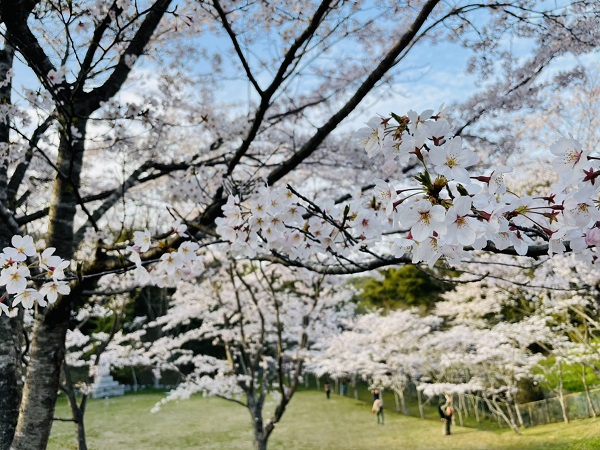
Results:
[446, 411]
[375, 393]
[327, 390]
[344, 389]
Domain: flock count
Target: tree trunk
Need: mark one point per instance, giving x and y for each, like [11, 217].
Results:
[590, 405]
[77, 410]
[397, 400]
[260, 437]
[561, 394]
[519, 416]
[11, 385]
[476, 409]
[460, 417]
[11, 332]
[497, 409]
[463, 404]
[42, 382]
[421, 412]
[48, 341]
[403, 402]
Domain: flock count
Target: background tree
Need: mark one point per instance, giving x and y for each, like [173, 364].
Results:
[82, 56]
[262, 322]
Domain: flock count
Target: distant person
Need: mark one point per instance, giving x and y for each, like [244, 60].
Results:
[378, 409]
[327, 390]
[446, 411]
[344, 389]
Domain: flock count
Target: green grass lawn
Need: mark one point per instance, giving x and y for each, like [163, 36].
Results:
[311, 422]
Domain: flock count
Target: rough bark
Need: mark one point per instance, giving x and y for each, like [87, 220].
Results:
[11, 384]
[10, 329]
[42, 381]
[47, 347]
[47, 350]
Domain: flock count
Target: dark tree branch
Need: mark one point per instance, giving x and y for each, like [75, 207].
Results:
[280, 76]
[236, 46]
[313, 143]
[136, 48]
[21, 169]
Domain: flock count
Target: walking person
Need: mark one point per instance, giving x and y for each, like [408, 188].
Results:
[327, 390]
[378, 409]
[446, 411]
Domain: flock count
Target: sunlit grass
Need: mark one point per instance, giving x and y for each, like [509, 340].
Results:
[311, 422]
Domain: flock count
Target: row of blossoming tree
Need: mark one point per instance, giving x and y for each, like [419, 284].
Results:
[118, 118]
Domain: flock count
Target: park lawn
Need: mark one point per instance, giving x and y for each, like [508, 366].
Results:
[311, 422]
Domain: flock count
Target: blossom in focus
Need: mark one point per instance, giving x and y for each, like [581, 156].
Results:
[28, 298]
[424, 219]
[14, 278]
[53, 289]
[452, 160]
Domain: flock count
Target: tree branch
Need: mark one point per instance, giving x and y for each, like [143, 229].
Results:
[313, 143]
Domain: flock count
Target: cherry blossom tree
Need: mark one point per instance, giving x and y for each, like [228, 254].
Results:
[261, 322]
[385, 350]
[323, 61]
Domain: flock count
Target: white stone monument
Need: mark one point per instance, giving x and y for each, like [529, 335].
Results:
[104, 385]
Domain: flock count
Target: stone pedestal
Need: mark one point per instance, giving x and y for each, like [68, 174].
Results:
[105, 386]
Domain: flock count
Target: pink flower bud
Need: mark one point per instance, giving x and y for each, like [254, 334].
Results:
[592, 237]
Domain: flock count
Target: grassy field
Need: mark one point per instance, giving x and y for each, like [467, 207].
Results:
[311, 422]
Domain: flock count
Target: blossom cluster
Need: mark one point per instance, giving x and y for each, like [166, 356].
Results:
[31, 277]
[450, 208]
[173, 266]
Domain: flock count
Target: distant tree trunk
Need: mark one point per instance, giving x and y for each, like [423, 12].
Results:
[476, 409]
[561, 394]
[463, 404]
[421, 412]
[519, 416]
[77, 410]
[590, 405]
[497, 410]
[400, 393]
[134, 387]
[460, 417]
